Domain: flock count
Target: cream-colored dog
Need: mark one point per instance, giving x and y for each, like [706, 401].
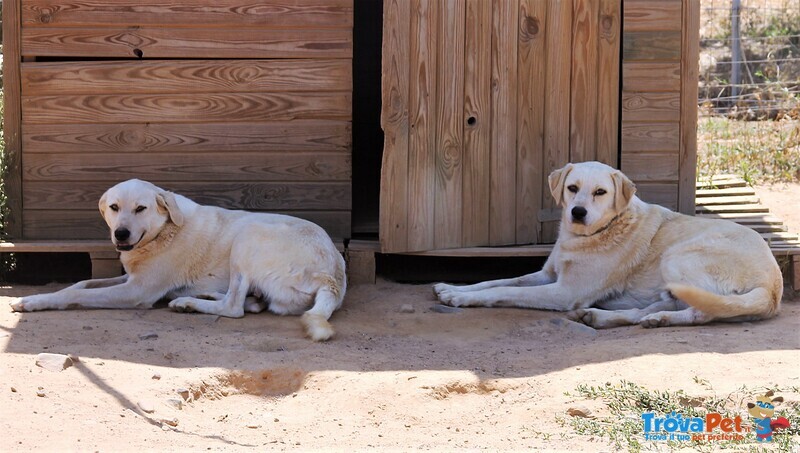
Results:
[209, 259]
[619, 260]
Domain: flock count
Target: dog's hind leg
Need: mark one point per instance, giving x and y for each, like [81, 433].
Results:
[604, 319]
[231, 306]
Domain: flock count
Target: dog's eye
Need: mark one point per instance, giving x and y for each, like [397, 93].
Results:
[599, 192]
[140, 209]
[114, 207]
[573, 188]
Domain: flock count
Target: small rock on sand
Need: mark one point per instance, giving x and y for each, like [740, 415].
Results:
[148, 336]
[146, 406]
[175, 403]
[184, 393]
[440, 308]
[53, 362]
[580, 411]
[407, 308]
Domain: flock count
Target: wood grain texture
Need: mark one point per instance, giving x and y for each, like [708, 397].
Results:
[191, 167]
[183, 108]
[557, 104]
[583, 122]
[652, 77]
[12, 153]
[644, 106]
[650, 167]
[502, 204]
[285, 136]
[186, 76]
[199, 43]
[75, 224]
[648, 15]
[531, 81]
[608, 55]
[663, 194]
[450, 126]
[219, 13]
[477, 118]
[651, 46]
[689, 79]
[639, 136]
[394, 122]
[254, 195]
[422, 134]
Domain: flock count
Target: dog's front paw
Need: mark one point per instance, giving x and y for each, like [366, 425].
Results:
[18, 304]
[585, 316]
[454, 298]
[183, 305]
[29, 303]
[441, 287]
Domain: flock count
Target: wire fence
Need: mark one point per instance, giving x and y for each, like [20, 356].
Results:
[750, 59]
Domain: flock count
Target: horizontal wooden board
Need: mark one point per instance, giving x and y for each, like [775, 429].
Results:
[222, 13]
[744, 218]
[653, 77]
[198, 43]
[185, 76]
[733, 191]
[283, 136]
[75, 224]
[720, 183]
[648, 15]
[74, 246]
[651, 45]
[662, 137]
[182, 108]
[733, 209]
[728, 199]
[231, 195]
[663, 194]
[638, 106]
[650, 167]
[188, 167]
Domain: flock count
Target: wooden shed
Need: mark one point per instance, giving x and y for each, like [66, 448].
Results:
[237, 103]
[482, 99]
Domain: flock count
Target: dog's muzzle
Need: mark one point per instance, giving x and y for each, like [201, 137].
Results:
[579, 214]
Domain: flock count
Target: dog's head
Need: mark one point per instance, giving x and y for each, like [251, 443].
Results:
[591, 195]
[136, 211]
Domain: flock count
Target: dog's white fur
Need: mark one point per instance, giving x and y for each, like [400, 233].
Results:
[631, 262]
[209, 259]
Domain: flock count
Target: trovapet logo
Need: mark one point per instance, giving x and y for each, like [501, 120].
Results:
[676, 427]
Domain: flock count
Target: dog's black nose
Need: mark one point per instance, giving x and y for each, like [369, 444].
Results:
[122, 234]
[578, 212]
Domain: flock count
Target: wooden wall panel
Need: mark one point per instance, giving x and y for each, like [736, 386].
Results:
[477, 122]
[255, 195]
[502, 201]
[297, 135]
[498, 94]
[449, 125]
[199, 43]
[12, 153]
[191, 167]
[649, 15]
[422, 134]
[186, 76]
[218, 13]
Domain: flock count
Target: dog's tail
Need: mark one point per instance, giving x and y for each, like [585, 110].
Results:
[760, 302]
[328, 298]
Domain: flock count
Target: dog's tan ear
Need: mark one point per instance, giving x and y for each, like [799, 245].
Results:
[166, 200]
[103, 205]
[556, 181]
[624, 190]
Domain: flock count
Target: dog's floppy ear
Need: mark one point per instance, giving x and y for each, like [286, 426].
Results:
[556, 181]
[167, 201]
[103, 205]
[624, 189]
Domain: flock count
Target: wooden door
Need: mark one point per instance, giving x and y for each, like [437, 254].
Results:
[482, 99]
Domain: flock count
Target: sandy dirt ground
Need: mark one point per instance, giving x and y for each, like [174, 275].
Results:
[391, 379]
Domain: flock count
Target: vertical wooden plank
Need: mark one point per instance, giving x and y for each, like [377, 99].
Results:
[502, 204]
[583, 125]
[608, 94]
[689, 76]
[449, 125]
[478, 120]
[531, 56]
[422, 139]
[557, 105]
[394, 121]
[12, 118]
